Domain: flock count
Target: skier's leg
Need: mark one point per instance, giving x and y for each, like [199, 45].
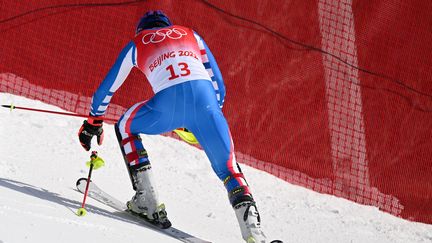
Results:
[134, 153]
[143, 117]
[211, 129]
[136, 156]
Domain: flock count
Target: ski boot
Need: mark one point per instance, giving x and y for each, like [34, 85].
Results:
[250, 222]
[145, 202]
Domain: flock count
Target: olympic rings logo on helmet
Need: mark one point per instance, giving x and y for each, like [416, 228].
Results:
[161, 35]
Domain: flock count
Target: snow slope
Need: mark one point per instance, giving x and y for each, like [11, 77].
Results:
[40, 160]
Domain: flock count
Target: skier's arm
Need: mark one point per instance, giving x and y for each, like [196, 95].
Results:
[212, 68]
[102, 97]
[113, 80]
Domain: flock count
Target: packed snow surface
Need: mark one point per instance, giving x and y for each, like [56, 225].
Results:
[41, 159]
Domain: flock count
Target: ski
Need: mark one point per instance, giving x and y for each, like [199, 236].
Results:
[100, 195]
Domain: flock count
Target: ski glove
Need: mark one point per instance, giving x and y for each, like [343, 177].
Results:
[91, 127]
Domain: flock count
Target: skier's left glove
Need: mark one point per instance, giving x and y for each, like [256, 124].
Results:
[186, 135]
[91, 127]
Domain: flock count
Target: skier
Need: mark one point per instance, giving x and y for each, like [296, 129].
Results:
[188, 93]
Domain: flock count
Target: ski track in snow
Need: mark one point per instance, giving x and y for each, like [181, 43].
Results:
[41, 159]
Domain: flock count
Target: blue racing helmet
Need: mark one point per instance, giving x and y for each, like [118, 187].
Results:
[153, 19]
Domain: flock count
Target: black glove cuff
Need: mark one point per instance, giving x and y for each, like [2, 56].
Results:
[92, 129]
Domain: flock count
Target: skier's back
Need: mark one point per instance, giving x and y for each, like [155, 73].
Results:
[189, 92]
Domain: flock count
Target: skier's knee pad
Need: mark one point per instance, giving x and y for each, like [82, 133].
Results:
[135, 157]
[135, 154]
[132, 149]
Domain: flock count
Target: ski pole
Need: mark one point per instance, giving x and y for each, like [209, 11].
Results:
[11, 107]
[95, 162]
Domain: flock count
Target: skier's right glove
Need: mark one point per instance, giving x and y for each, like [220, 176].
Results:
[91, 127]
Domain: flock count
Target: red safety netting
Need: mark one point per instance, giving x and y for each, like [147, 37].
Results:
[332, 95]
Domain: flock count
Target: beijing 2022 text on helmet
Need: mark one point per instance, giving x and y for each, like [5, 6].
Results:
[153, 19]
